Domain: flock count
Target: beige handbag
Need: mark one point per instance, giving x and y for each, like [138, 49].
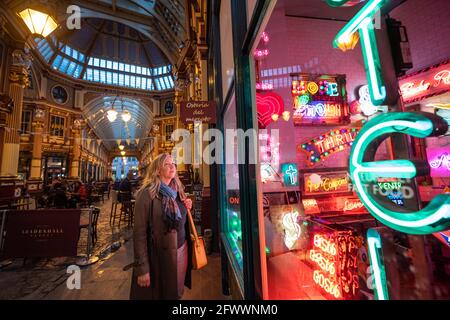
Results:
[199, 259]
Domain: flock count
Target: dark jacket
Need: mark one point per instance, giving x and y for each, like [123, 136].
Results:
[155, 251]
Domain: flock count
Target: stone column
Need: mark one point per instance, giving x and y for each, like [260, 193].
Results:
[18, 80]
[34, 183]
[76, 147]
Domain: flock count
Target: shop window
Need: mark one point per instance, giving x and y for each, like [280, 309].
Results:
[168, 131]
[25, 126]
[231, 227]
[57, 126]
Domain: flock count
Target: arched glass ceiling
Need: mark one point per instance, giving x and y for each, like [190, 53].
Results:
[110, 72]
[137, 128]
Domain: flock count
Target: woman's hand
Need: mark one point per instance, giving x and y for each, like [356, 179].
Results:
[144, 280]
[188, 203]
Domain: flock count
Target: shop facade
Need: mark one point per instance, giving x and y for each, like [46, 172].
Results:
[292, 224]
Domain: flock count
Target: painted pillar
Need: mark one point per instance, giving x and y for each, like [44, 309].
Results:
[35, 183]
[76, 147]
[18, 80]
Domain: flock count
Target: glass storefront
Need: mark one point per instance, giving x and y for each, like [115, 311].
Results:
[311, 102]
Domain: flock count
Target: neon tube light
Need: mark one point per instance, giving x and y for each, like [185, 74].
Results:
[362, 22]
[433, 218]
[376, 261]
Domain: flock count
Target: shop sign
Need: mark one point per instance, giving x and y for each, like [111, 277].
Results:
[427, 82]
[320, 99]
[198, 111]
[439, 161]
[290, 174]
[323, 146]
[326, 182]
[334, 257]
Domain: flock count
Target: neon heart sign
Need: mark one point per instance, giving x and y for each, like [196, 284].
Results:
[268, 104]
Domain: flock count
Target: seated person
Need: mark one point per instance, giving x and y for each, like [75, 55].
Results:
[126, 188]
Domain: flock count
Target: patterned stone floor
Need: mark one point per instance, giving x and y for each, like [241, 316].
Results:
[105, 279]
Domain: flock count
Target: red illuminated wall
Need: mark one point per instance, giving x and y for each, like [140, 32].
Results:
[428, 25]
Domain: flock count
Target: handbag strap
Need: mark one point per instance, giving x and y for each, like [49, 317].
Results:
[192, 225]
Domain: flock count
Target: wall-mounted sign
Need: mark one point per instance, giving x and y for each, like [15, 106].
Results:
[319, 99]
[326, 182]
[268, 105]
[290, 174]
[439, 161]
[325, 145]
[198, 111]
[427, 82]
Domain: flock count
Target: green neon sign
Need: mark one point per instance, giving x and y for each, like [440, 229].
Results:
[433, 218]
[362, 23]
[377, 264]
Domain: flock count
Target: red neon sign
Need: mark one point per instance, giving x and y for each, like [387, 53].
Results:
[335, 259]
[425, 83]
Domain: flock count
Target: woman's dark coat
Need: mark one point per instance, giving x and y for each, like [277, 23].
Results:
[155, 251]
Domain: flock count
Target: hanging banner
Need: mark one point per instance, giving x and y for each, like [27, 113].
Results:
[198, 111]
[137, 141]
[99, 141]
[42, 233]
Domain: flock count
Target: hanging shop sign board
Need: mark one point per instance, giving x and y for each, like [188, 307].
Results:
[439, 161]
[428, 82]
[323, 146]
[326, 182]
[319, 99]
[198, 111]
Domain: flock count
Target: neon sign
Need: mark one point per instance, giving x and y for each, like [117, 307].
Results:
[439, 160]
[290, 174]
[362, 22]
[433, 218]
[318, 112]
[335, 256]
[319, 99]
[425, 83]
[377, 265]
[327, 144]
[326, 182]
[292, 230]
[267, 105]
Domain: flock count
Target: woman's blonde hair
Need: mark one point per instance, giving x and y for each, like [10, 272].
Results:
[153, 181]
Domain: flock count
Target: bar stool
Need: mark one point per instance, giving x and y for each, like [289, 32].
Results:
[114, 203]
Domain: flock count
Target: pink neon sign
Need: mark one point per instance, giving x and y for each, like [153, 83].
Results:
[428, 82]
[439, 161]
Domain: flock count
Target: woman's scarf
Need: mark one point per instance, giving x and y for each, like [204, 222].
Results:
[171, 211]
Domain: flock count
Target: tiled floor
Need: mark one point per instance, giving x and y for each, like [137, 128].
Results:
[47, 278]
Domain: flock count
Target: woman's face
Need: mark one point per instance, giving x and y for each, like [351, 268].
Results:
[168, 170]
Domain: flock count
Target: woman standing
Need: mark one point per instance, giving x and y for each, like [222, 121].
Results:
[162, 245]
